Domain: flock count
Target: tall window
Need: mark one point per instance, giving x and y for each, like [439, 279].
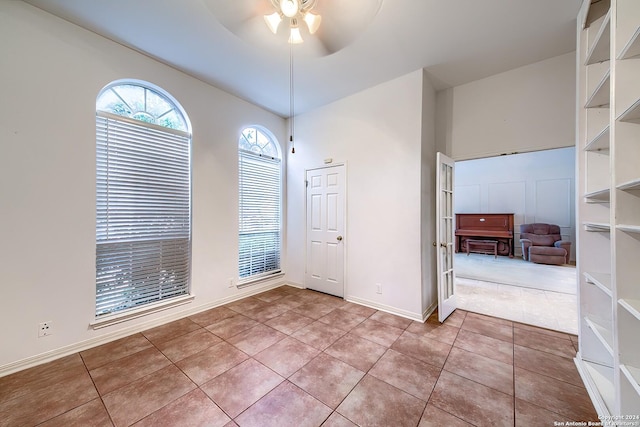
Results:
[143, 196]
[260, 201]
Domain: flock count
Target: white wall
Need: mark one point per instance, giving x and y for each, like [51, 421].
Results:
[428, 196]
[536, 187]
[377, 133]
[51, 74]
[527, 109]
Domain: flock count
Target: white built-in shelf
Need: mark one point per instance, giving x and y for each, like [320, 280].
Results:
[600, 280]
[633, 185]
[628, 228]
[632, 306]
[633, 375]
[599, 196]
[604, 334]
[597, 10]
[599, 142]
[599, 51]
[597, 226]
[600, 96]
[632, 48]
[602, 378]
[631, 114]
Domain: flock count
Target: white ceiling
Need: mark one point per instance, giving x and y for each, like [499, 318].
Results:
[456, 41]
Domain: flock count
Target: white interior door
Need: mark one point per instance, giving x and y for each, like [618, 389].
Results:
[325, 230]
[445, 234]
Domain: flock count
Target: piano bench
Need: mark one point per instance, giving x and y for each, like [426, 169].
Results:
[492, 243]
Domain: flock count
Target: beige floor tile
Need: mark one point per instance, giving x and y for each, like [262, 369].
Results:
[376, 403]
[327, 379]
[380, 333]
[289, 322]
[90, 414]
[241, 386]
[128, 369]
[170, 331]
[319, 335]
[208, 364]
[194, 409]
[287, 356]
[473, 402]
[231, 326]
[356, 351]
[41, 404]
[481, 369]
[425, 349]
[146, 395]
[406, 373]
[188, 344]
[436, 417]
[286, 405]
[554, 395]
[101, 355]
[254, 340]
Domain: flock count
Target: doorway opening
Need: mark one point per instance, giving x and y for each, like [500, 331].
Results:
[536, 187]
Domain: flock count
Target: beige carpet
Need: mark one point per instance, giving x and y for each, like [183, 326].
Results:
[517, 272]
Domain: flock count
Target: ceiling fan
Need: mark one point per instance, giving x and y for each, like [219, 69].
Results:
[334, 24]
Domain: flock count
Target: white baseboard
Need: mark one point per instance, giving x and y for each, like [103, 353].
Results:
[58, 353]
[592, 389]
[385, 308]
[429, 311]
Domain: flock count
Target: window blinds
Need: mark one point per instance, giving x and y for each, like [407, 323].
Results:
[259, 237]
[143, 213]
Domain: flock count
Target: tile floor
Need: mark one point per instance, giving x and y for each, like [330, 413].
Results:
[291, 357]
[547, 309]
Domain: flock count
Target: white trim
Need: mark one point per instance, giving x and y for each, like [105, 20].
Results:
[386, 308]
[51, 355]
[123, 316]
[254, 280]
[429, 311]
[592, 389]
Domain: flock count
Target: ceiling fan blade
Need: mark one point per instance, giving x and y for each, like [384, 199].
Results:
[234, 14]
[344, 21]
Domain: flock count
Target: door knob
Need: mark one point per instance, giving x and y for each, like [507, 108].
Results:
[444, 245]
[339, 238]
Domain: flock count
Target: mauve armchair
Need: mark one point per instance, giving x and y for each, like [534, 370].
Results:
[542, 244]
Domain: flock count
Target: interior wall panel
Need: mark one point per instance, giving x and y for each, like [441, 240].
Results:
[508, 197]
[467, 198]
[553, 201]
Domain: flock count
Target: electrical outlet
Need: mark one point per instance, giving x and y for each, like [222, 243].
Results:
[378, 288]
[231, 285]
[45, 329]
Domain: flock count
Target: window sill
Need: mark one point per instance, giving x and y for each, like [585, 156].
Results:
[256, 280]
[113, 319]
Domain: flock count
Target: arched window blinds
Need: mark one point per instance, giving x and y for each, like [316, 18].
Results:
[143, 198]
[260, 188]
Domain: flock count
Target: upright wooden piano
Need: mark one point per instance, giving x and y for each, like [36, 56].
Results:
[489, 226]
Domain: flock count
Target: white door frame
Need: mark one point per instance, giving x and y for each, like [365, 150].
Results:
[345, 234]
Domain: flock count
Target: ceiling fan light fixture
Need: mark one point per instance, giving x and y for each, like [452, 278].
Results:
[313, 21]
[294, 36]
[290, 8]
[273, 21]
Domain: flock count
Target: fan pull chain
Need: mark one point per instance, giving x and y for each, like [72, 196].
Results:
[291, 100]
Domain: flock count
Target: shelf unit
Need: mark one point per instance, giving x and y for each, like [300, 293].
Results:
[608, 150]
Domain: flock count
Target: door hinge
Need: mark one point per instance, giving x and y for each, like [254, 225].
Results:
[306, 183]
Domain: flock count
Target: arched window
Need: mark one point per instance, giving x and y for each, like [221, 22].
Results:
[260, 187]
[143, 198]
